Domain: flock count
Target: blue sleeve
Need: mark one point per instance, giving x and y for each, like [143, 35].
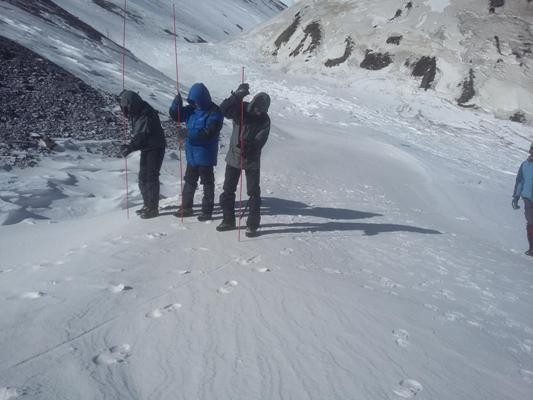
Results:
[519, 183]
[176, 109]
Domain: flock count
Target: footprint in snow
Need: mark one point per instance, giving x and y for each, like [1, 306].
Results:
[286, 251]
[41, 265]
[401, 337]
[119, 288]
[9, 393]
[408, 388]
[247, 261]
[263, 270]
[527, 375]
[453, 316]
[158, 312]
[228, 287]
[5, 271]
[446, 294]
[113, 355]
[32, 295]
[190, 249]
[184, 271]
[331, 271]
[155, 235]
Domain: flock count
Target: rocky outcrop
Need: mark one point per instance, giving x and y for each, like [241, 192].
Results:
[333, 62]
[426, 67]
[374, 61]
[468, 91]
[285, 36]
[312, 31]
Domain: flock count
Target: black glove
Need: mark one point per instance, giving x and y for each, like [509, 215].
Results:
[125, 149]
[183, 132]
[245, 148]
[515, 203]
[242, 91]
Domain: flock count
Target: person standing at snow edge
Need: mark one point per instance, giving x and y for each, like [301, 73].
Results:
[204, 122]
[524, 188]
[149, 138]
[254, 136]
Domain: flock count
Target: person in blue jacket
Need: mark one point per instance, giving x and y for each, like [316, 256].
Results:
[524, 188]
[204, 122]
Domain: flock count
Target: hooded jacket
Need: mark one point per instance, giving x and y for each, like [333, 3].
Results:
[204, 122]
[145, 124]
[524, 180]
[256, 130]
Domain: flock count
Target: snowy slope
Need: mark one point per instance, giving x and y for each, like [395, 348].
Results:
[458, 48]
[389, 266]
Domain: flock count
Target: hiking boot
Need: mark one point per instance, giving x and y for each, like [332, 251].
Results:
[150, 213]
[140, 210]
[204, 217]
[529, 253]
[185, 212]
[251, 231]
[226, 226]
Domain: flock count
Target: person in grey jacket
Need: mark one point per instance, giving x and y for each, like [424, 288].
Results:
[524, 188]
[149, 138]
[244, 152]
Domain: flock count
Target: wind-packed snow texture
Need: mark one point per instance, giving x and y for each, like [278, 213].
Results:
[389, 264]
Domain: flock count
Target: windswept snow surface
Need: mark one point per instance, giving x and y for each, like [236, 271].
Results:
[389, 264]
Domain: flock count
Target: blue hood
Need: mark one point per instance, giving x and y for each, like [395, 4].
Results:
[200, 96]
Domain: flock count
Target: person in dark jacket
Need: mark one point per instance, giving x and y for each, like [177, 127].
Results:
[204, 122]
[149, 138]
[244, 152]
[524, 188]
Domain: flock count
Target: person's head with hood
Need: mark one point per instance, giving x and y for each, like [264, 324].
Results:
[259, 104]
[131, 103]
[199, 97]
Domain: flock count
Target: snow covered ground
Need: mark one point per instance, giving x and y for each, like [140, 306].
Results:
[389, 263]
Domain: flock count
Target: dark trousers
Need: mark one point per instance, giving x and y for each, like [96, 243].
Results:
[528, 211]
[227, 198]
[151, 161]
[207, 179]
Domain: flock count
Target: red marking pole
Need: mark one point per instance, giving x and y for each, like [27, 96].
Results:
[125, 121]
[241, 139]
[178, 122]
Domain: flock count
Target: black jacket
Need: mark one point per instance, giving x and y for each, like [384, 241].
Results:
[145, 124]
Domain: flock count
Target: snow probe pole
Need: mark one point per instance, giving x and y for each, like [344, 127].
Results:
[178, 122]
[241, 140]
[125, 121]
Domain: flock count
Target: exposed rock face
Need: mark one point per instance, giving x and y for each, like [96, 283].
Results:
[311, 31]
[468, 90]
[394, 40]
[426, 67]
[518, 117]
[375, 61]
[347, 53]
[286, 35]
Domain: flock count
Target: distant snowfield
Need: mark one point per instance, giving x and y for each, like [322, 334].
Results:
[389, 266]
[438, 5]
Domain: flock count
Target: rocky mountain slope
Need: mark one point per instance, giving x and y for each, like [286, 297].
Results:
[476, 53]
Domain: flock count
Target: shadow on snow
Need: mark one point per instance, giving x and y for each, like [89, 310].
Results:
[275, 206]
